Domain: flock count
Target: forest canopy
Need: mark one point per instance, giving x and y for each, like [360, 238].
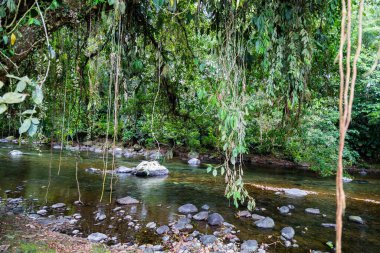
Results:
[226, 77]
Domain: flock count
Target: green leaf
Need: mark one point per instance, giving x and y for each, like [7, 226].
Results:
[27, 112]
[111, 2]
[37, 95]
[32, 130]
[13, 98]
[222, 170]
[21, 85]
[25, 126]
[1, 84]
[3, 108]
[209, 169]
[35, 121]
[214, 172]
[5, 39]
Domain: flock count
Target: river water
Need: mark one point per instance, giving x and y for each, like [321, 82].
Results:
[37, 171]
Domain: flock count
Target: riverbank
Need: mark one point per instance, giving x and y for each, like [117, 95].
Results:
[136, 151]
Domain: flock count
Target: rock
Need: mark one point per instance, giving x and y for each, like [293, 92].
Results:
[203, 215]
[151, 225]
[207, 239]
[100, 216]
[77, 216]
[127, 201]
[15, 153]
[328, 225]
[244, 213]
[294, 192]
[288, 233]
[188, 208]
[93, 170]
[288, 244]
[267, 222]
[363, 172]
[291, 207]
[215, 219]
[58, 205]
[205, 207]
[181, 223]
[347, 179]
[137, 147]
[284, 210]
[42, 212]
[257, 217]
[194, 162]
[162, 230]
[312, 211]
[356, 219]
[151, 169]
[97, 237]
[123, 169]
[249, 246]
[76, 231]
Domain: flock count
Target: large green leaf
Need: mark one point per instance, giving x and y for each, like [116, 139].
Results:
[35, 121]
[21, 85]
[32, 130]
[3, 108]
[25, 126]
[13, 98]
[37, 95]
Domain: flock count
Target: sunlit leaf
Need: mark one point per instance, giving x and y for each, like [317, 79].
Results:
[21, 85]
[13, 39]
[32, 130]
[37, 95]
[35, 121]
[27, 112]
[25, 126]
[13, 98]
[3, 108]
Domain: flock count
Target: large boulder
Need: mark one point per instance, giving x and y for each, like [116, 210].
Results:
[188, 208]
[194, 162]
[294, 192]
[267, 222]
[127, 201]
[151, 169]
[215, 219]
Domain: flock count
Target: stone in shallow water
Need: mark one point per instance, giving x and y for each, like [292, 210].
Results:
[267, 222]
[123, 169]
[162, 230]
[205, 207]
[194, 162]
[294, 192]
[151, 225]
[215, 219]
[244, 213]
[312, 210]
[288, 232]
[328, 225]
[284, 210]
[347, 180]
[249, 246]
[356, 219]
[182, 223]
[127, 201]
[207, 239]
[58, 205]
[93, 170]
[151, 169]
[97, 237]
[100, 216]
[203, 215]
[257, 217]
[15, 153]
[42, 212]
[187, 208]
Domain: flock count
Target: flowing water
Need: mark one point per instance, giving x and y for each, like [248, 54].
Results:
[37, 171]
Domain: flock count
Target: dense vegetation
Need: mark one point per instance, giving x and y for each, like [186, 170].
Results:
[232, 77]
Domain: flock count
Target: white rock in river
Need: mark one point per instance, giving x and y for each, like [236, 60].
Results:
[356, 219]
[267, 222]
[294, 192]
[58, 205]
[127, 201]
[347, 179]
[312, 210]
[151, 169]
[97, 237]
[194, 162]
[15, 153]
[123, 169]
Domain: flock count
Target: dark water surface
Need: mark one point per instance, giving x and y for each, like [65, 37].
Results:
[37, 171]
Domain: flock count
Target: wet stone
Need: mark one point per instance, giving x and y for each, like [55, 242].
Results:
[188, 208]
[267, 222]
[312, 210]
[257, 217]
[356, 219]
[249, 246]
[205, 207]
[127, 201]
[162, 230]
[288, 233]
[58, 205]
[244, 213]
[215, 219]
[207, 239]
[203, 215]
[97, 237]
[284, 210]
